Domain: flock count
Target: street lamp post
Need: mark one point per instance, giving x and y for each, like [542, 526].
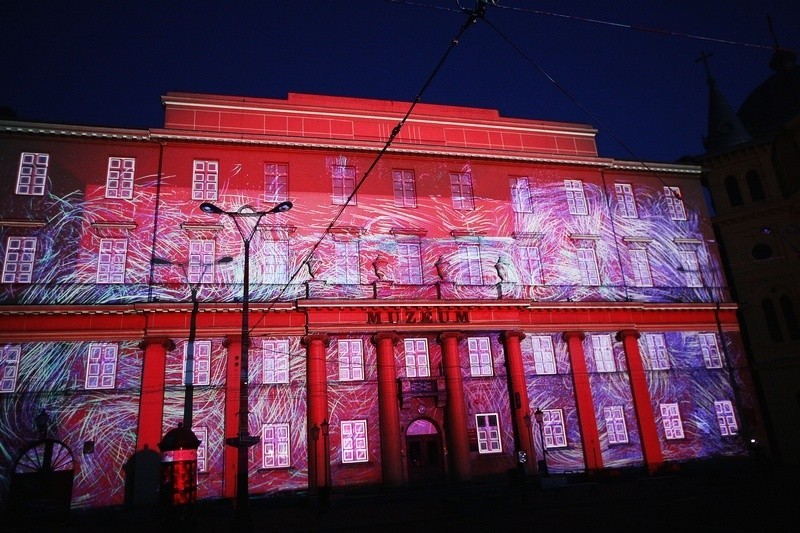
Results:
[540, 422]
[243, 440]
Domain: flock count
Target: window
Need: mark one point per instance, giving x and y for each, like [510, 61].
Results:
[691, 268]
[200, 372]
[675, 203]
[521, 196]
[789, 316]
[20, 253]
[9, 367]
[32, 173]
[409, 262]
[603, 353]
[471, 259]
[354, 441]
[616, 430]
[275, 446]
[344, 183]
[711, 355]
[111, 260]
[754, 185]
[461, 191]
[671, 420]
[351, 359]
[553, 426]
[725, 418]
[347, 265]
[276, 360]
[416, 357]
[734, 193]
[276, 182]
[640, 264]
[201, 261]
[488, 428]
[576, 199]
[657, 350]
[531, 264]
[119, 180]
[771, 318]
[202, 450]
[480, 356]
[587, 263]
[101, 366]
[544, 359]
[626, 200]
[205, 180]
[276, 267]
[405, 193]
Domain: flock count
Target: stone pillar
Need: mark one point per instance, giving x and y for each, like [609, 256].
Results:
[391, 439]
[151, 402]
[317, 409]
[518, 391]
[455, 412]
[232, 387]
[592, 454]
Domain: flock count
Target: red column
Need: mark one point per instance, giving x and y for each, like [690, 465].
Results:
[151, 403]
[519, 394]
[232, 387]
[455, 412]
[592, 455]
[317, 408]
[391, 455]
[651, 446]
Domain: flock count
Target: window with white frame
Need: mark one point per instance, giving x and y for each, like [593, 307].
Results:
[461, 191]
[480, 356]
[276, 182]
[691, 268]
[202, 449]
[555, 435]
[201, 260]
[354, 441]
[275, 353]
[409, 262]
[675, 206]
[488, 429]
[603, 353]
[275, 446]
[32, 173]
[347, 262]
[276, 261]
[205, 180]
[616, 430]
[344, 183]
[18, 264]
[576, 198]
[351, 359]
[726, 418]
[200, 371]
[531, 264]
[119, 179]
[640, 264]
[626, 200]
[416, 358]
[657, 350]
[101, 366]
[710, 349]
[671, 420]
[587, 264]
[521, 195]
[404, 185]
[111, 260]
[9, 367]
[544, 359]
[471, 272]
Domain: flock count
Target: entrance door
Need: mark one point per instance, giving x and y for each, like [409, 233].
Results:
[424, 453]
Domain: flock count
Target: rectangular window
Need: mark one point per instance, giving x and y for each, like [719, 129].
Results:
[18, 265]
[710, 349]
[205, 180]
[200, 371]
[691, 268]
[725, 418]
[521, 196]
[640, 264]
[576, 199]
[555, 435]
[344, 183]
[480, 356]
[603, 353]
[626, 200]
[409, 262]
[111, 261]
[532, 264]
[354, 441]
[9, 367]
[416, 358]
[202, 450]
[671, 420]
[675, 206]
[201, 261]
[544, 358]
[275, 446]
[461, 191]
[404, 185]
[101, 366]
[276, 266]
[587, 263]
[351, 359]
[471, 260]
[615, 424]
[119, 180]
[276, 360]
[347, 264]
[32, 174]
[657, 350]
[276, 182]
[488, 428]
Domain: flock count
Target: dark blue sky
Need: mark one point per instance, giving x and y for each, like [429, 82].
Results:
[108, 62]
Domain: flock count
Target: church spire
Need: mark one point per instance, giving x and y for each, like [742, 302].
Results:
[725, 130]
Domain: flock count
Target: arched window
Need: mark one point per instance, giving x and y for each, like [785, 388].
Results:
[790, 317]
[771, 318]
[734, 194]
[754, 184]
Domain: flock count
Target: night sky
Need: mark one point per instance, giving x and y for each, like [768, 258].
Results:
[108, 62]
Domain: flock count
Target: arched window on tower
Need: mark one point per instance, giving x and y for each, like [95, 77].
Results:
[734, 193]
[755, 186]
[771, 317]
[790, 317]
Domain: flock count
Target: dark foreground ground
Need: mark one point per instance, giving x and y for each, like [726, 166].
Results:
[715, 498]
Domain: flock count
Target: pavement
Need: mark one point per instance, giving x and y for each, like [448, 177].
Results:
[711, 498]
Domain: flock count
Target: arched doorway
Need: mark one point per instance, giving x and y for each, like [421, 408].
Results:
[41, 483]
[424, 453]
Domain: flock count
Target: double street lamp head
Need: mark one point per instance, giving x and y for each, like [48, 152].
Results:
[208, 207]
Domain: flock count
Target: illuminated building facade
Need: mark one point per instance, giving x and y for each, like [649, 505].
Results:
[493, 286]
